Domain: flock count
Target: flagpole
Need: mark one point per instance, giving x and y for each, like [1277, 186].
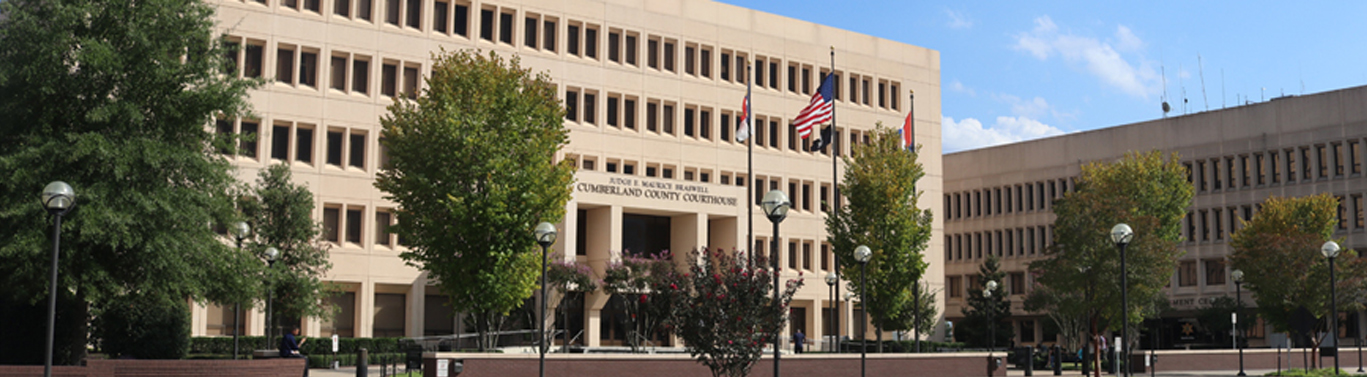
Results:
[750, 166]
[835, 191]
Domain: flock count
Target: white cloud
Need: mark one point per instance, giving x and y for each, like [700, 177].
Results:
[961, 88]
[957, 20]
[969, 133]
[1097, 57]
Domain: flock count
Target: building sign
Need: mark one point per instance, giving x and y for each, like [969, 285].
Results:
[1191, 303]
[657, 190]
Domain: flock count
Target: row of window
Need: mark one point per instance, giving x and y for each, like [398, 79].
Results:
[1305, 163]
[690, 121]
[799, 254]
[1016, 242]
[1015, 284]
[344, 224]
[303, 67]
[1205, 225]
[584, 39]
[1006, 200]
[289, 141]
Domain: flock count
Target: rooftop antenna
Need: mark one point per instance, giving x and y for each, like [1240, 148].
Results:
[1182, 83]
[1201, 68]
[1222, 88]
[1166, 107]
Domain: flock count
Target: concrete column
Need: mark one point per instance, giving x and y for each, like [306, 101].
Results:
[417, 304]
[722, 234]
[199, 324]
[604, 246]
[365, 309]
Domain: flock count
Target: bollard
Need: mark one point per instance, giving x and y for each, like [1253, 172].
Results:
[363, 363]
[1029, 356]
[1058, 360]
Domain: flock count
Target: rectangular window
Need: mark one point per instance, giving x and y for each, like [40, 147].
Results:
[461, 20]
[690, 64]
[725, 73]
[1338, 160]
[1186, 274]
[338, 68]
[865, 93]
[1216, 178]
[590, 108]
[1018, 283]
[414, 14]
[882, 94]
[668, 116]
[280, 142]
[224, 129]
[363, 9]
[505, 27]
[1205, 226]
[548, 40]
[284, 64]
[652, 116]
[894, 95]
[357, 155]
[705, 62]
[773, 75]
[410, 82]
[614, 46]
[629, 113]
[1246, 169]
[689, 119]
[440, 14]
[1305, 163]
[249, 134]
[1276, 168]
[529, 33]
[954, 284]
[1355, 156]
[572, 105]
[806, 256]
[303, 147]
[1260, 168]
[334, 147]
[308, 68]
[572, 40]
[806, 80]
[1290, 165]
[759, 71]
[612, 110]
[669, 55]
[255, 60]
[792, 78]
[773, 133]
[342, 8]
[1343, 213]
[705, 124]
[854, 88]
[331, 221]
[653, 53]
[360, 75]
[631, 49]
[353, 225]
[389, 76]
[382, 221]
[391, 12]
[1357, 203]
[591, 42]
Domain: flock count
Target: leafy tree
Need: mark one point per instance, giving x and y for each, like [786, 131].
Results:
[725, 312]
[564, 277]
[280, 213]
[1279, 253]
[634, 280]
[114, 97]
[144, 327]
[1067, 310]
[880, 182]
[1214, 316]
[472, 168]
[1144, 190]
[983, 311]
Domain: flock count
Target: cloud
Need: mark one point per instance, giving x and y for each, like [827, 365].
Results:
[959, 87]
[969, 133]
[1099, 58]
[957, 20]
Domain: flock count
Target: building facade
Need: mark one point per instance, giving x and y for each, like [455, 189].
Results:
[653, 93]
[999, 200]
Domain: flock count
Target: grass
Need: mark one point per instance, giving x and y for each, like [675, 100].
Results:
[1312, 373]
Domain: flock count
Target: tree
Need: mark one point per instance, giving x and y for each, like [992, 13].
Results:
[1067, 310]
[880, 182]
[281, 215]
[564, 277]
[1144, 190]
[725, 312]
[472, 168]
[1215, 317]
[115, 98]
[983, 311]
[634, 281]
[1283, 269]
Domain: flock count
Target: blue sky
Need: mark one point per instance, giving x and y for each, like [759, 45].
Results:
[1013, 71]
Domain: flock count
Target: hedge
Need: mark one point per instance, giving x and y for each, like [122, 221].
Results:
[313, 346]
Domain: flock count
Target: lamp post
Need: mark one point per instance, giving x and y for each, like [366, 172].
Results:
[58, 199]
[849, 297]
[545, 236]
[1238, 277]
[240, 231]
[831, 279]
[1121, 235]
[271, 255]
[1330, 250]
[990, 286]
[862, 254]
[775, 206]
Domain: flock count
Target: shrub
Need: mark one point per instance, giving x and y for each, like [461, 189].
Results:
[144, 327]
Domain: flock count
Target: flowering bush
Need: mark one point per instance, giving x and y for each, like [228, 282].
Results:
[725, 310]
[637, 280]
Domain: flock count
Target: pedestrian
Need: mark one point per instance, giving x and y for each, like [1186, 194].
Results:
[289, 348]
[799, 339]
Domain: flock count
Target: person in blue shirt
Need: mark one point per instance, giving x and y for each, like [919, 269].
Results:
[289, 347]
[799, 340]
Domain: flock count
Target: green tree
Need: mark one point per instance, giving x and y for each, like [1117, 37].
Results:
[880, 182]
[1215, 317]
[281, 215]
[565, 277]
[1066, 309]
[725, 312]
[114, 97]
[983, 311]
[472, 168]
[1144, 190]
[1278, 252]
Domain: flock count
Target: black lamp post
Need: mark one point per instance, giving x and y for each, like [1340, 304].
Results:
[991, 317]
[1238, 276]
[834, 321]
[849, 297]
[775, 206]
[271, 255]
[545, 236]
[863, 254]
[1121, 235]
[240, 231]
[1330, 250]
[58, 198]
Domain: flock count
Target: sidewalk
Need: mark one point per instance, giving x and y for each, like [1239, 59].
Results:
[373, 371]
[1206, 373]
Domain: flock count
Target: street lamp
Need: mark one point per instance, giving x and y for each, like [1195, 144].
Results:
[58, 198]
[1121, 235]
[862, 254]
[545, 236]
[991, 316]
[831, 279]
[775, 206]
[1238, 276]
[240, 231]
[1330, 250]
[271, 255]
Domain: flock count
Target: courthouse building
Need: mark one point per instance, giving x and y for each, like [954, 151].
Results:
[999, 200]
[653, 92]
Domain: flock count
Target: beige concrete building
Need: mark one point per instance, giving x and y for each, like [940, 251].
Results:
[999, 199]
[653, 91]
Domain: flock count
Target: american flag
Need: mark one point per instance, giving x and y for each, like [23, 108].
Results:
[818, 111]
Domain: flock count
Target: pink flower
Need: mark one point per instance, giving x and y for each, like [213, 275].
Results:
[672, 286]
[728, 342]
[643, 298]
